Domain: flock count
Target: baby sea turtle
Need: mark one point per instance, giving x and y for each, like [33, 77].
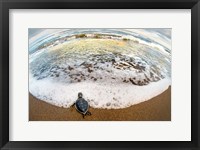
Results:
[82, 105]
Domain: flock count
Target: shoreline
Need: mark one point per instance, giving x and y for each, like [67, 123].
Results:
[155, 109]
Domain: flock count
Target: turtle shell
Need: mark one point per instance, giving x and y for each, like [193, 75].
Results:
[82, 105]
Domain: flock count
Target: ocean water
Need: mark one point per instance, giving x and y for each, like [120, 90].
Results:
[112, 68]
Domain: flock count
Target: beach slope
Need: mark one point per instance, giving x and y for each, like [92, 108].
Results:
[156, 109]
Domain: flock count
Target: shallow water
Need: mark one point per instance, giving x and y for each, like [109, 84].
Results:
[111, 72]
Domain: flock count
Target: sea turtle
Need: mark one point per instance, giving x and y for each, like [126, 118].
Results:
[82, 105]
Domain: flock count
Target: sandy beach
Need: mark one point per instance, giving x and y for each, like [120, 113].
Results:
[156, 109]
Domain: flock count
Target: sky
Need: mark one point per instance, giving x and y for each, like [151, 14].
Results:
[161, 36]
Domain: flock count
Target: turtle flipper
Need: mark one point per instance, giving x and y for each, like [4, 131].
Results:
[73, 104]
[89, 113]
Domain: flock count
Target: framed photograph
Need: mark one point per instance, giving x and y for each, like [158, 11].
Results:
[85, 74]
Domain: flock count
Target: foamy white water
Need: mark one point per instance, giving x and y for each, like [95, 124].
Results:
[101, 95]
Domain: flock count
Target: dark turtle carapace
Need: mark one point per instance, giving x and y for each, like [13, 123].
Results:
[82, 105]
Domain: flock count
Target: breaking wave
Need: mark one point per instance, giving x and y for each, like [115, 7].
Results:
[111, 70]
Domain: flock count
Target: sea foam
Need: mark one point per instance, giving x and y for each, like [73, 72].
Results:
[111, 73]
[101, 95]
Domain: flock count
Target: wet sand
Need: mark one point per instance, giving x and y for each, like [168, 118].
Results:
[156, 109]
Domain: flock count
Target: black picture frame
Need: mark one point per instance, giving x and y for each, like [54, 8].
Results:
[5, 5]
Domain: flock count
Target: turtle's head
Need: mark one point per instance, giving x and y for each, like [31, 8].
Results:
[80, 95]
